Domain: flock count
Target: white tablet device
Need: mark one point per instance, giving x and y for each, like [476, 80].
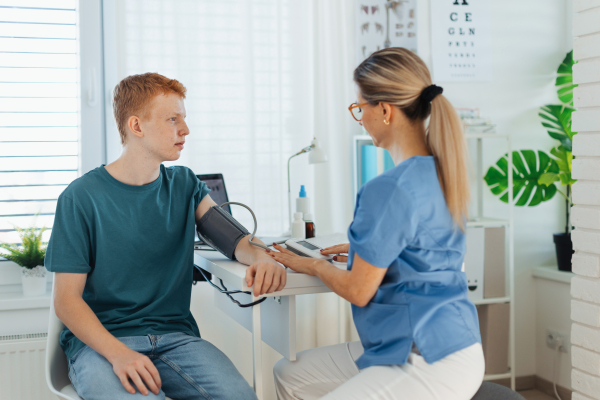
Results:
[305, 249]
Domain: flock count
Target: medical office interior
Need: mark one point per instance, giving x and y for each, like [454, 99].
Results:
[267, 79]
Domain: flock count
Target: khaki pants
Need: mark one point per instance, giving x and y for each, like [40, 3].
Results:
[331, 373]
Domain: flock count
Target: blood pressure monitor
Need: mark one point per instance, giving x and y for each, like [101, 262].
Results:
[305, 249]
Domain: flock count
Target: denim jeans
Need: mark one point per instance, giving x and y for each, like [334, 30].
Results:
[189, 368]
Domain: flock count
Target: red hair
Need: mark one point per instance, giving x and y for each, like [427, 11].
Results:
[133, 94]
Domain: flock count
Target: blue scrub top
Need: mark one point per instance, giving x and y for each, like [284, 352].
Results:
[402, 223]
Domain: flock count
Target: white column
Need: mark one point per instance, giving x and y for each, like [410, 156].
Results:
[585, 287]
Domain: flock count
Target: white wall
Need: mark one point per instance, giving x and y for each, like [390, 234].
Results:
[552, 310]
[585, 287]
[529, 39]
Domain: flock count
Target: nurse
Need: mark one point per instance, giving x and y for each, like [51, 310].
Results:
[419, 334]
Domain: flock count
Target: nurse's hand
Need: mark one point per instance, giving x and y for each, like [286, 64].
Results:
[305, 265]
[337, 249]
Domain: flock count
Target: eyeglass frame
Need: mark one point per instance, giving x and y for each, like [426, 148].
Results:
[355, 105]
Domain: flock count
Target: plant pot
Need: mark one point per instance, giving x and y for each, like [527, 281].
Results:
[564, 250]
[33, 280]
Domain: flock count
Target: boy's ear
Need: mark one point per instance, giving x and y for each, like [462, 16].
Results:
[134, 125]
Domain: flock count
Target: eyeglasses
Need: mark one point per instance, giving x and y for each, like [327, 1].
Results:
[356, 110]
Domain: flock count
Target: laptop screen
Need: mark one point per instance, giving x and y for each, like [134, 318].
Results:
[216, 184]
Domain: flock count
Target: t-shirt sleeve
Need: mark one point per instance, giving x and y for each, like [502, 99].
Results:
[69, 249]
[200, 191]
[385, 221]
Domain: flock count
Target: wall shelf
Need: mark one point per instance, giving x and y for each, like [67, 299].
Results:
[487, 222]
[494, 377]
[480, 221]
[494, 300]
[552, 273]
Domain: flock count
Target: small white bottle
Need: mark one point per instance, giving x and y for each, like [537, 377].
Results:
[298, 227]
[302, 202]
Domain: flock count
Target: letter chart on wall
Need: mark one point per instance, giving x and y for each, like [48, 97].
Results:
[461, 40]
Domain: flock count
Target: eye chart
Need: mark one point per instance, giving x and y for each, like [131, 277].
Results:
[381, 24]
[461, 40]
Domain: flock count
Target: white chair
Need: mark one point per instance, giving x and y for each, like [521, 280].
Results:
[57, 370]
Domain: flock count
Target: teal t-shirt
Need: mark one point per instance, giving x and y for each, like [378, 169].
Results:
[136, 245]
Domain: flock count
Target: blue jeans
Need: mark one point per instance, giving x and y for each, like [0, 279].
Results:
[189, 368]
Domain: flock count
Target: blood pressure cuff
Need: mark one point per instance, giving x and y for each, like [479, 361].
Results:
[221, 231]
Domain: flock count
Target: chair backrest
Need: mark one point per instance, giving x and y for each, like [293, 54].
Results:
[57, 370]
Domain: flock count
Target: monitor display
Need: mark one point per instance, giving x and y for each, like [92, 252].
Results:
[308, 245]
[217, 192]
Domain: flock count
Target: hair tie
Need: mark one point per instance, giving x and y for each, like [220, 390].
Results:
[430, 92]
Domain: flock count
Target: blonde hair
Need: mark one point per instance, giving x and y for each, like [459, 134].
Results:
[398, 76]
[132, 95]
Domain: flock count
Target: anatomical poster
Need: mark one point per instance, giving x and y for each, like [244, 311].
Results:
[381, 24]
[461, 40]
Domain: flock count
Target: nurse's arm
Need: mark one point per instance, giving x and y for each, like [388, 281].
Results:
[358, 285]
[265, 275]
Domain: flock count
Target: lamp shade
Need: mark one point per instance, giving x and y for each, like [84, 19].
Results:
[316, 155]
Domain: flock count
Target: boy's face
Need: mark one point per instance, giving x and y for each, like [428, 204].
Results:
[163, 126]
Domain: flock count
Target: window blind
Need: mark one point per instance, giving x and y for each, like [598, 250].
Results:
[38, 111]
[244, 63]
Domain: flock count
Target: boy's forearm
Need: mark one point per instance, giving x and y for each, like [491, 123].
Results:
[83, 323]
[249, 254]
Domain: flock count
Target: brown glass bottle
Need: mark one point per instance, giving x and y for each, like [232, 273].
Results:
[310, 227]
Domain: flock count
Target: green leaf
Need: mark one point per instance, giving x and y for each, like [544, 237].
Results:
[564, 81]
[548, 179]
[528, 169]
[30, 253]
[558, 123]
[550, 192]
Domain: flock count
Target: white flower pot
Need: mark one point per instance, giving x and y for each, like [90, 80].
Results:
[34, 281]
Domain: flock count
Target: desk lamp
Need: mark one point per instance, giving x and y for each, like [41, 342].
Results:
[316, 156]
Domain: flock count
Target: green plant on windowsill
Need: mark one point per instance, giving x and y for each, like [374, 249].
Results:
[536, 176]
[31, 252]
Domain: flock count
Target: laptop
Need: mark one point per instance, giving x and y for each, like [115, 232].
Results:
[218, 192]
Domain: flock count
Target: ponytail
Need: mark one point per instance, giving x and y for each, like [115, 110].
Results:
[398, 76]
[447, 144]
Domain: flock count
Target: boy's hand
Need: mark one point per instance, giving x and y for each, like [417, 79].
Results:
[267, 276]
[132, 365]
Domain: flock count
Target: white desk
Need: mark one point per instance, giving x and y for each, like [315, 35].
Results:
[274, 320]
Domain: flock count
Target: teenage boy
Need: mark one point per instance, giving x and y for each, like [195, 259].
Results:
[122, 250]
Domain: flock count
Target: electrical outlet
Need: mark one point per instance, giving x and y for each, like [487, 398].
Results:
[553, 338]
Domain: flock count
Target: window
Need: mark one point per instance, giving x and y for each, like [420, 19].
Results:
[39, 110]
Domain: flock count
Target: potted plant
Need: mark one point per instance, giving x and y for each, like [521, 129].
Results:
[30, 257]
[536, 176]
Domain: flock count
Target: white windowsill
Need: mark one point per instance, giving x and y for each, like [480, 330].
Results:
[553, 274]
[16, 301]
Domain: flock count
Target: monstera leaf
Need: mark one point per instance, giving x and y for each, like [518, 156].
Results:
[528, 168]
[557, 119]
[564, 81]
[563, 159]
